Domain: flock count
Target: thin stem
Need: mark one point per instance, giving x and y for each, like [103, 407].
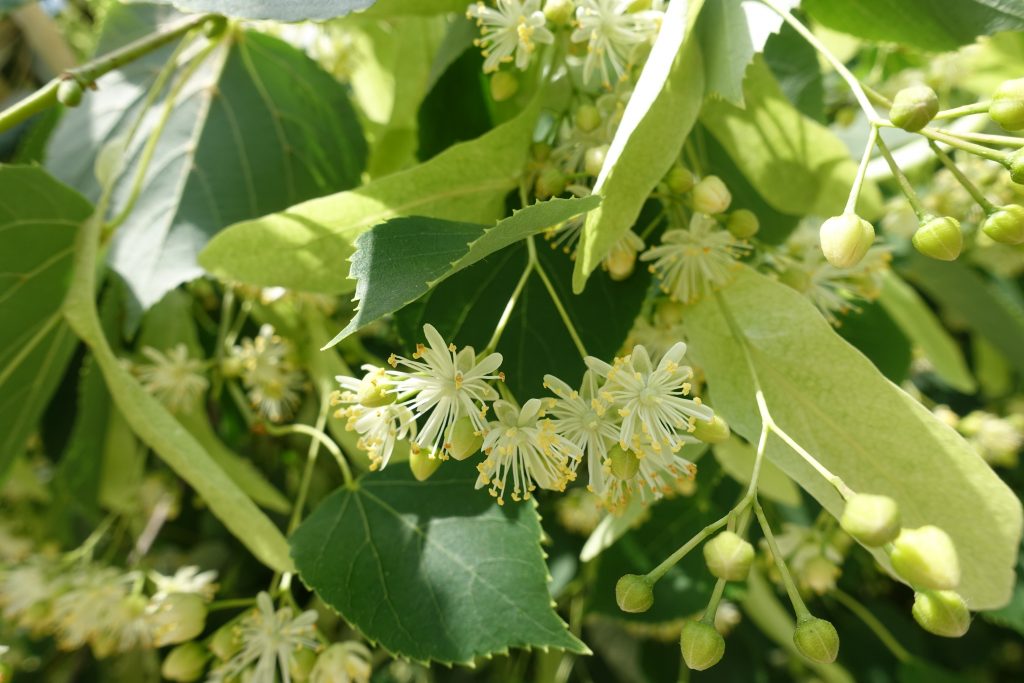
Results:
[89, 544]
[227, 309]
[311, 455]
[858, 91]
[845, 491]
[858, 181]
[965, 110]
[983, 138]
[646, 232]
[904, 183]
[971, 188]
[655, 574]
[762, 446]
[876, 97]
[230, 604]
[318, 435]
[532, 248]
[716, 597]
[970, 147]
[873, 623]
[46, 97]
[499, 329]
[802, 613]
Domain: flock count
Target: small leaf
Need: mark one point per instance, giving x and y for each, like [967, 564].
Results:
[290, 10]
[868, 431]
[434, 570]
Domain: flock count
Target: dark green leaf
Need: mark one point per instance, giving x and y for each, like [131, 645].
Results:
[731, 32]
[873, 333]
[794, 62]
[432, 570]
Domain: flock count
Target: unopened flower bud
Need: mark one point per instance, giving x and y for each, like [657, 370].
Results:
[301, 664]
[504, 85]
[1007, 108]
[185, 663]
[227, 641]
[634, 593]
[559, 12]
[680, 180]
[178, 618]
[550, 183]
[69, 92]
[701, 644]
[728, 556]
[588, 118]
[423, 463]
[375, 394]
[872, 520]
[1015, 162]
[940, 238]
[714, 431]
[711, 196]
[914, 107]
[464, 441]
[845, 239]
[593, 160]
[926, 558]
[817, 640]
[624, 464]
[943, 613]
[1006, 225]
[743, 224]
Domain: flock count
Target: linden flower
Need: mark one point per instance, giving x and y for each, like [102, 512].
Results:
[514, 27]
[185, 580]
[650, 399]
[694, 261]
[271, 380]
[269, 639]
[174, 378]
[521, 444]
[348, 662]
[443, 386]
[659, 474]
[24, 587]
[379, 430]
[580, 417]
[612, 34]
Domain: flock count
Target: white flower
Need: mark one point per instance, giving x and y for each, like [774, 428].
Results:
[272, 381]
[25, 586]
[580, 417]
[612, 34]
[379, 429]
[347, 662]
[514, 27]
[443, 386]
[370, 391]
[174, 378]
[694, 261]
[523, 445]
[100, 608]
[269, 638]
[185, 580]
[659, 474]
[651, 399]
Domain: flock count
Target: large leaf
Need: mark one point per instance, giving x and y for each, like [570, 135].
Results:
[388, 8]
[657, 119]
[934, 25]
[307, 246]
[795, 163]
[392, 269]
[432, 570]
[737, 460]
[39, 219]
[249, 127]
[859, 425]
[289, 10]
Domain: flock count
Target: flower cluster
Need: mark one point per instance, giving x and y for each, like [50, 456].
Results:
[268, 371]
[174, 377]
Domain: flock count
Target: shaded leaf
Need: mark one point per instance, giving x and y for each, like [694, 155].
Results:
[794, 62]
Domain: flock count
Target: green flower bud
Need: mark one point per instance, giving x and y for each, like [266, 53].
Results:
[423, 463]
[1007, 108]
[588, 118]
[914, 107]
[178, 618]
[634, 593]
[550, 183]
[715, 431]
[463, 440]
[185, 663]
[845, 239]
[711, 196]
[375, 394]
[593, 160]
[1006, 225]
[1015, 162]
[701, 644]
[504, 85]
[624, 464]
[743, 224]
[728, 556]
[872, 520]
[939, 238]
[943, 613]
[301, 663]
[926, 558]
[817, 640]
[680, 180]
[69, 92]
[559, 12]
[226, 641]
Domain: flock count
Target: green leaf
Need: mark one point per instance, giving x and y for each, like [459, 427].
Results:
[432, 571]
[981, 302]
[917, 321]
[657, 119]
[290, 10]
[392, 269]
[737, 459]
[837, 405]
[932, 25]
[871, 331]
[794, 62]
[252, 126]
[795, 163]
[390, 8]
[306, 247]
[39, 219]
